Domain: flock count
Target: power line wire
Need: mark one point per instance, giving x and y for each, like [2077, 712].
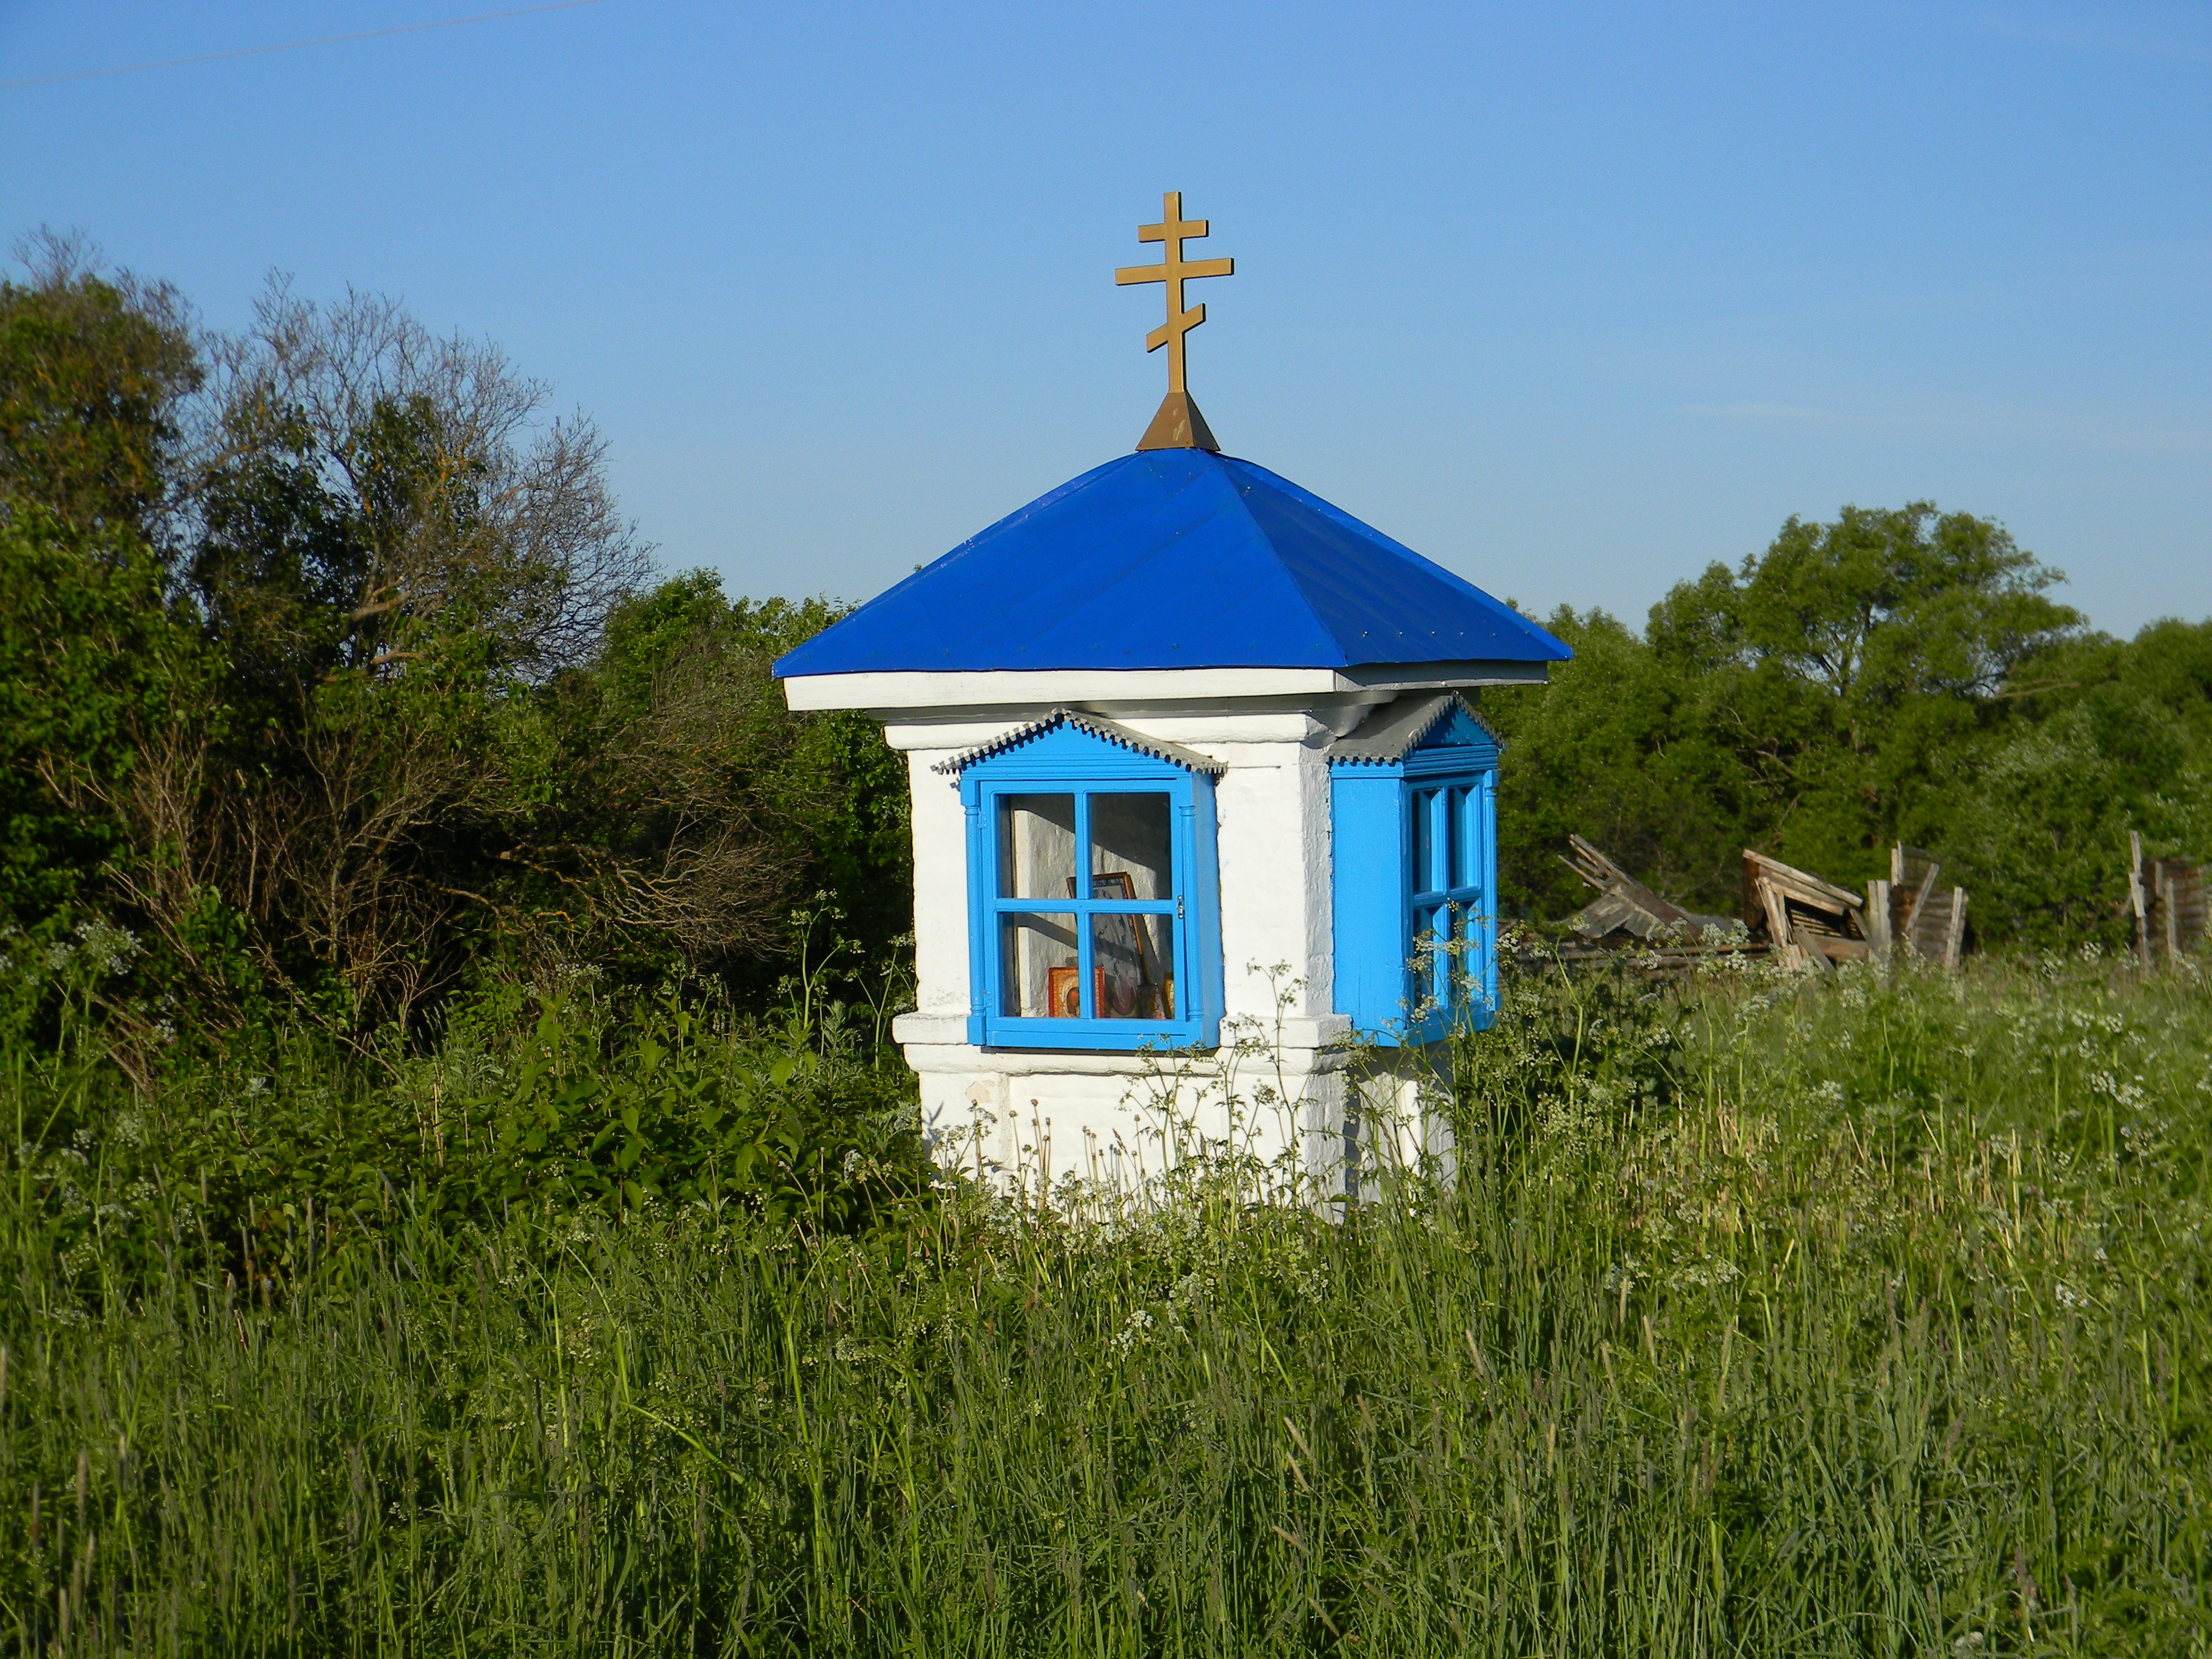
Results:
[294, 46]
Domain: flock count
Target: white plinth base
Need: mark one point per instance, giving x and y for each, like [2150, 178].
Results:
[1079, 1126]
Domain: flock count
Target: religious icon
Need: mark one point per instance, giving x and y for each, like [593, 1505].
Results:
[1062, 1001]
[1127, 981]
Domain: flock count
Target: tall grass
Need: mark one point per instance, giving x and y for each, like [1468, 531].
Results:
[1776, 1317]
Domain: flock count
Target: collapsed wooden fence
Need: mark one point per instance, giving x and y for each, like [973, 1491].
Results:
[2166, 896]
[1792, 915]
[1803, 919]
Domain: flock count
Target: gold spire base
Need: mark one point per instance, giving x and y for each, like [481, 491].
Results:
[1178, 426]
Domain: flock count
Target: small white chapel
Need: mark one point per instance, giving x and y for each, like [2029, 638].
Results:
[1194, 781]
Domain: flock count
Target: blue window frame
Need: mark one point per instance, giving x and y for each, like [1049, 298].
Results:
[1413, 812]
[1092, 890]
[1451, 918]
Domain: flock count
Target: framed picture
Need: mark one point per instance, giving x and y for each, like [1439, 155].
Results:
[1108, 885]
[1150, 1001]
[1128, 978]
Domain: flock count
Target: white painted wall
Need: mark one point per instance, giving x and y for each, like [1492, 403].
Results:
[1021, 1117]
[940, 894]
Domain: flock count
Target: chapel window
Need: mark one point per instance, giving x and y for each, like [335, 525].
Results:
[1448, 923]
[1091, 893]
[1413, 823]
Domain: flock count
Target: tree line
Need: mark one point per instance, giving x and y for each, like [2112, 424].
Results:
[332, 673]
[1896, 675]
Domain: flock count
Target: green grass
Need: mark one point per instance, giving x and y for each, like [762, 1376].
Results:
[1781, 1317]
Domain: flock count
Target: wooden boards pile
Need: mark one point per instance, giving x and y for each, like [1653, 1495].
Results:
[1812, 921]
[1914, 910]
[1800, 918]
[2167, 897]
[1807, 919]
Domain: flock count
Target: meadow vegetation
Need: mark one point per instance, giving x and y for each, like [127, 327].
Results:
[1772, 1315]
[459, 1197]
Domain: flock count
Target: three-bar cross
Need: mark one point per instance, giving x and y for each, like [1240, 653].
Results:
[1174, 270]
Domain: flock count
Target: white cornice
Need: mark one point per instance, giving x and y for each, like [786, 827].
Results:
[887, 694]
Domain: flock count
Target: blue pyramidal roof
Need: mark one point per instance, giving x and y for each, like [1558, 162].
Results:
[1175, 558]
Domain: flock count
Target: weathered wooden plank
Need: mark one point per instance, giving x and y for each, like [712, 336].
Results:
[1602, 873]
[1777, 911]
[2138, 899]
[1938, 931]
[1805, 949]
[1880, 933]
[1626, 904]
[1834, 949]
[2174, 905]
[1804, 884]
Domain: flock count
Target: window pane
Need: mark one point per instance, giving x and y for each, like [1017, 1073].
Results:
[1424, 850]
[1037, 968]
[1433, 952]
[1455, 837]
[1036, 846]
[1130, 835]
[1133, 967]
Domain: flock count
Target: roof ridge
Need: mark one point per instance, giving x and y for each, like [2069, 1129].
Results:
[1360, 529]
[1297, 587]
[1275, 553]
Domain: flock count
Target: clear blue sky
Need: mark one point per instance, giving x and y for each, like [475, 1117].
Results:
[1571, 298]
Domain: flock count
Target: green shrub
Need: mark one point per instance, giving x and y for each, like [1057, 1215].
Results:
[276, 1150]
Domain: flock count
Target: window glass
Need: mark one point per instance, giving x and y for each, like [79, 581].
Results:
[1438, 963]
[1036, 846]
[1131, 835]
[1425, 843]
[1455, 838]
[1133, 967]
[1036, 967]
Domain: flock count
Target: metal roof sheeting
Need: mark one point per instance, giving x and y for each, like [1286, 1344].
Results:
[1108, 730]
[1175, 558]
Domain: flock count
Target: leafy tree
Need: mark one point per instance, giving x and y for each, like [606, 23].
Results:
[98, 667]
[1840, 666]
[1820, 700]
[1612, 750]
[394, 553]
[2109, 736]
[93, 375]
[2038, 827]
[95, 669]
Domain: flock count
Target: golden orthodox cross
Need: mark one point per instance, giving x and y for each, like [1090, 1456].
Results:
[1174, 270]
